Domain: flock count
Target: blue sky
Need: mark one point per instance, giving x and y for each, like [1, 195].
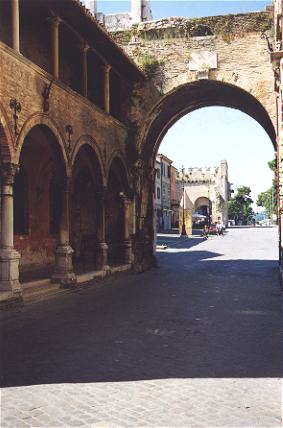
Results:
[197, 139]
[185, 8]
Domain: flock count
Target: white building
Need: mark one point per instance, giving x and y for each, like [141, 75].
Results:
[140, 12]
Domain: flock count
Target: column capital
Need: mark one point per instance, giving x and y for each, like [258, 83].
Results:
[8, 172]
[55, 20]
[107, 68]
[84, 47]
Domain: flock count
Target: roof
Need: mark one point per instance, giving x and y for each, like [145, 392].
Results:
[161, 157]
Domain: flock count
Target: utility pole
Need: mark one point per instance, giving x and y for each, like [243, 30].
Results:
[183, 232]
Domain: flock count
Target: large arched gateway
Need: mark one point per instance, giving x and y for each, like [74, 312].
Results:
[170, 108]
[191, 96]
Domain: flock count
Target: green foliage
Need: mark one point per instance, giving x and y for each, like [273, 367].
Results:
[267, 201]
[239, 207]
[268, 198]
[149, 64]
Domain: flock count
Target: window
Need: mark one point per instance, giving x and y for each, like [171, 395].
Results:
[158, 173]
[168, 171]
[158, 192]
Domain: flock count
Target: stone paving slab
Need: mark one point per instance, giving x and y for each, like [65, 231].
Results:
[168, 402]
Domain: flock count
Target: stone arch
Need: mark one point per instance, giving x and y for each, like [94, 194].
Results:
[42, 119]
[87, 186]
[117, 160]
[201, 200]
[192, 96]
[38, 197]
[87, 140]
[6, 137]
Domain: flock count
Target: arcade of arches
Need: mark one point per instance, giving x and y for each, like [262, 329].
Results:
[66, 220]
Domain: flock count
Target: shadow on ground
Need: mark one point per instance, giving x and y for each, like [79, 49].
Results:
[197, 317]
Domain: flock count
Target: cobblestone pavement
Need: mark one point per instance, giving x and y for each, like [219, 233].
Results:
[195, 342]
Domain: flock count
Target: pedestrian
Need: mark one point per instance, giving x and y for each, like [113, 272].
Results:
[205, 231]
[254, 222]
[220, 227]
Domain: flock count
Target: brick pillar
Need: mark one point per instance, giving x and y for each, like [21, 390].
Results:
[102, 247]
[55, 60]
[15, 25]
[9, 257]
[63, 258]
[107, 94]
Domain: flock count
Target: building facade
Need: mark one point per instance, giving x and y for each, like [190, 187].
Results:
[67, 203]
[175, 203]
[207, 191]
[163, 189]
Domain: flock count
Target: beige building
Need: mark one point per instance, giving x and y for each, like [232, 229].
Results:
[207, 191]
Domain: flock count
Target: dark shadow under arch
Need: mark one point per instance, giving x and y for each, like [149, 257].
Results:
[36, 218]
[192, 96]
[117, 189]
[87, 183]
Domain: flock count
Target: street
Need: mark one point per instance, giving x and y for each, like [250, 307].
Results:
[195, 342]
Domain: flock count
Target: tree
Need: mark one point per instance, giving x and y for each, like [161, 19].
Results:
[239, 207]
[268, 198]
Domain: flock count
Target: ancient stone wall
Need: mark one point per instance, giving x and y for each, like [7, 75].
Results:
[165, 49]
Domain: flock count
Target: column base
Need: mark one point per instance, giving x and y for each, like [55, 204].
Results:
[102, 256]
[64, 266]
[9, 271]
[128, 252]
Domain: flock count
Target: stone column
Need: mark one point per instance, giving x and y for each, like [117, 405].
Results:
[63, 257]
[15, 25]
[84, 50]
[55, 22]
[127, 244]
[102, 247]
[9, 257]
[107, 69]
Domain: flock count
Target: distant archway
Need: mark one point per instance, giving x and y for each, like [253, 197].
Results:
[201, 206]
